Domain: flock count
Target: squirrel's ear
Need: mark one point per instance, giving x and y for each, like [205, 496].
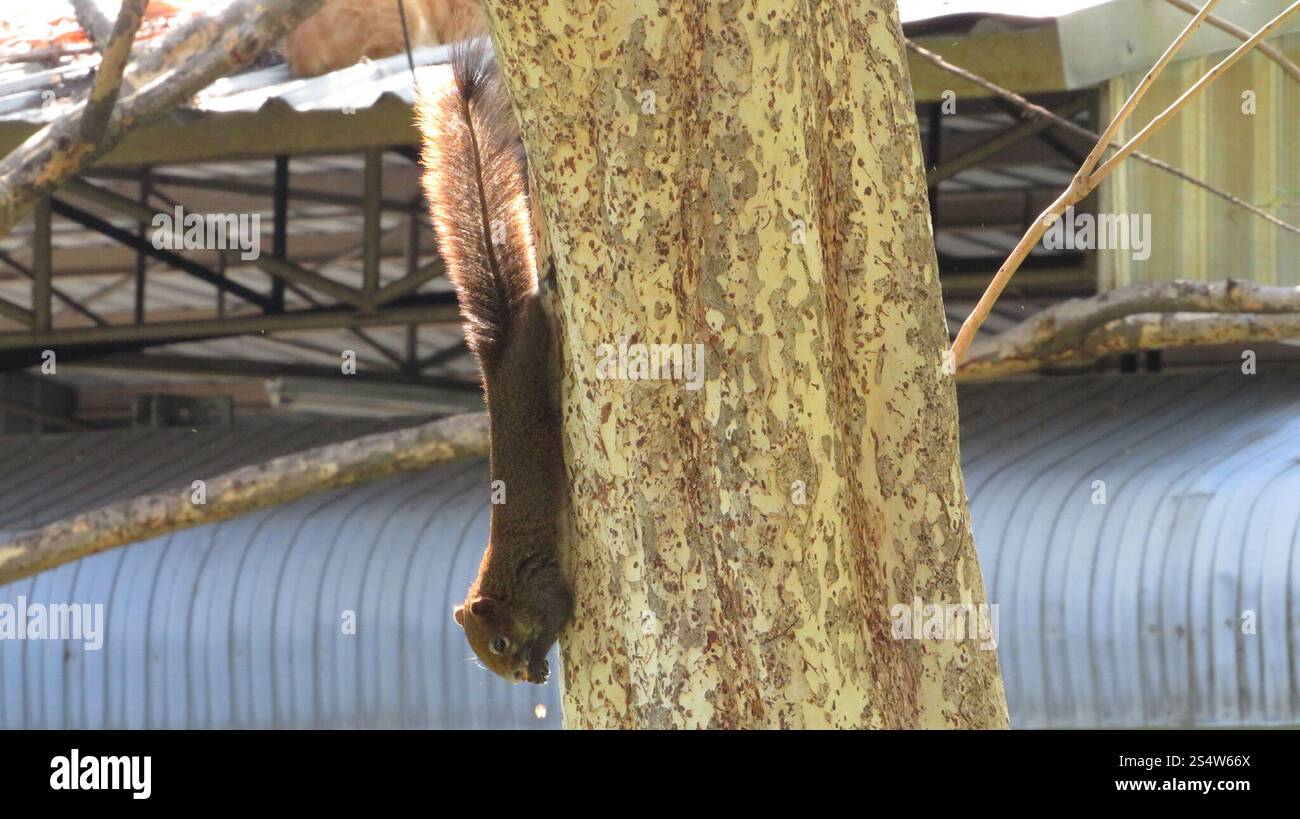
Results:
[482, 606]
[459, 614]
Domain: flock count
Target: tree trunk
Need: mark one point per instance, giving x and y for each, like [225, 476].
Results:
[747, 176]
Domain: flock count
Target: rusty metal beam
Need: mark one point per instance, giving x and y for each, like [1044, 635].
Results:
[259, 189]
[1005, 139]
[42, 266]
[934, 144]
[298, 274]
[58, 294]
[446, 354]
[427, 310]
[141, 258]
[374, 182]
[93, 222]
[280, 236]
[40, 416]
[409, 283]
[203, 365]
[17, 313]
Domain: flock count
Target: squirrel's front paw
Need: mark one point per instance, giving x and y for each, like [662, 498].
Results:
[539, 671]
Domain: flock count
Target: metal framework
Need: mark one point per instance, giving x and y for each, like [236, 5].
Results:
[243, 306]
[239, 309]
[959, 273]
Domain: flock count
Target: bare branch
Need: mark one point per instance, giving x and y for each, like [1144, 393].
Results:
[245, 490]
[173, 70]
[1073, 127]
[1162, 119]
[1112, 130]
[1291, 69]
[1086, 179]
[93, 22]
[1142, 317]
[108, 76]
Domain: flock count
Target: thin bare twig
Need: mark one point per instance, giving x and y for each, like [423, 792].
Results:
[108, 76]
[1085, 170]
[1073, 127]
[93, 22]
[1087, 179]
[1164, 116]
[1291, 69]
[1080, 186]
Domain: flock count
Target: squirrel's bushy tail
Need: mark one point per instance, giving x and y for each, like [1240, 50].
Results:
[474, 182]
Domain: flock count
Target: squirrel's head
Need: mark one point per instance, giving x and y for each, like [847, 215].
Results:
[496, 637]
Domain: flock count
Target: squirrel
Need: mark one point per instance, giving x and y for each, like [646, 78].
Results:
[474, 182]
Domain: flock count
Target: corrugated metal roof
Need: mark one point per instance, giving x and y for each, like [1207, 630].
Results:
[240, 624]
[1130, 612]
[43, 479]
[357, 87]
[1089, 54]
[36, 91]
[1126, 613]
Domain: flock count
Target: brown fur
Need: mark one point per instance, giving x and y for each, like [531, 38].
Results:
[342, 32]
[474, 182]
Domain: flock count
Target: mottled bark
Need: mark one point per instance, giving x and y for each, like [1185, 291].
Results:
[747, 176]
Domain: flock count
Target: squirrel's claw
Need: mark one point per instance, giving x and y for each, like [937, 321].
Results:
[539, 671]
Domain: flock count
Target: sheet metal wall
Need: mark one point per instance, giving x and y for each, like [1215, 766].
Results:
[1194, 234]
[1133, 612]
[1123, 613]
[241, 624]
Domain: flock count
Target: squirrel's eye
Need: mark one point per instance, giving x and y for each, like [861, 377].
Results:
[499, 645]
